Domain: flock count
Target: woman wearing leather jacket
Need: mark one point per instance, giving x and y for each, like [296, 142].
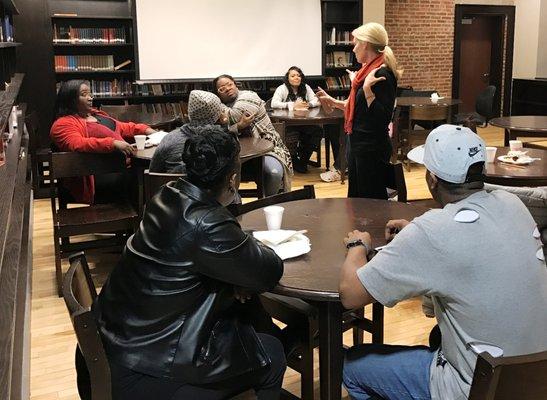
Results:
[168, 315]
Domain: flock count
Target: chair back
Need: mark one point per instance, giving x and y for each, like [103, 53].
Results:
[429, 112]
[153, 181]
[484, 104]
[396, 181]
[505, 378]
[308, 192]
[118, 112]
[71, 164]
[79, 293]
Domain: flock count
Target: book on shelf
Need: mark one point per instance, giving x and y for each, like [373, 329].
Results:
[121, 65]
[92, 63]
[68, 35]
[339, 37]
[338, 82]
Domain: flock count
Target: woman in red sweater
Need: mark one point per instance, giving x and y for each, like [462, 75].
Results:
[80, 127]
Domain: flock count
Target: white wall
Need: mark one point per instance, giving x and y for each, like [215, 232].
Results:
[541, 71]
[526, 38]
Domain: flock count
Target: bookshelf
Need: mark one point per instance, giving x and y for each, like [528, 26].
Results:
[340, 17]
[98, 49]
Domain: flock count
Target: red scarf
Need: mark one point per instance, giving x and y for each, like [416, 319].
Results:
[358, 81]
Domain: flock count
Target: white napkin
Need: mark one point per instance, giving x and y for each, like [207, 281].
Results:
[285, 243]
[155, 138]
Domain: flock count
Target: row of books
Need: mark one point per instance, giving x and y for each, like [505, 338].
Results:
[165, 108]
[335, 36]
[6, 29]
[338, 82]
[84, 63]
[339, 59]
[68, 34]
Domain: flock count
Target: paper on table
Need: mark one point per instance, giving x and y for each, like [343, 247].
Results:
[155, 138]
[296, 245]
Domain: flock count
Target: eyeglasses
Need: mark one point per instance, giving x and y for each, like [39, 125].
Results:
[224, 88]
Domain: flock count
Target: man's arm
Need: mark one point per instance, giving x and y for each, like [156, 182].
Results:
[352, 292]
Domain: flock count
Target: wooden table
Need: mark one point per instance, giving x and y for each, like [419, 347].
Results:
[522, 125]
[406, 102]
[317, 116]
[534, 174]
[315, 276]
[251, 149]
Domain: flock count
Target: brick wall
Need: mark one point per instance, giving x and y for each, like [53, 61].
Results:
[421, 34]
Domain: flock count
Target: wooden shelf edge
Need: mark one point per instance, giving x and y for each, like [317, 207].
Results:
[76, 16]
[6, 45]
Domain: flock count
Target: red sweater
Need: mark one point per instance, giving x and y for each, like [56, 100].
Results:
[69, 133]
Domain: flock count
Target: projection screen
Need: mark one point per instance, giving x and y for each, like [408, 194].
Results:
[200, 39]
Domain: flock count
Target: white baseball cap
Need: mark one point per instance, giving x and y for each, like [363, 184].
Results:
[449, 151]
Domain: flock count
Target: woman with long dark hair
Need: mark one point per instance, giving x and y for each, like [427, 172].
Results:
[296, 93]
[169, 314]
[80, 127]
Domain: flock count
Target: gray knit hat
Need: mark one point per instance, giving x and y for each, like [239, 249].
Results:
[203, 107]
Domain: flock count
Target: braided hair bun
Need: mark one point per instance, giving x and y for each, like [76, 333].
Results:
[210, 154]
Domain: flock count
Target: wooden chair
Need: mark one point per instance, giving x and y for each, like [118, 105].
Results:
[290, 310]
[39, 157]
[120, 217]
[79, 293]
[436, 114]
[508, 378]
[153, 181]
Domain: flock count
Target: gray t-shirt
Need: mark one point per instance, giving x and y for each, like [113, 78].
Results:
[486, 281]
[168, 156]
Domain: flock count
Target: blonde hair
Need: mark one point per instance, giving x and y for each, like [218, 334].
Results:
[376, 35]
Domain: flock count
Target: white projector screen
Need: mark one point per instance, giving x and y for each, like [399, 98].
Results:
[201, 39]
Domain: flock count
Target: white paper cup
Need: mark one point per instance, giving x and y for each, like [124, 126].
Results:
[274, 216]
[515, 145]
[290, 106]
[434, 100]
[491, 154]
[139, 141]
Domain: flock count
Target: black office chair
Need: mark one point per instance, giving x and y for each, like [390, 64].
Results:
[484, 109]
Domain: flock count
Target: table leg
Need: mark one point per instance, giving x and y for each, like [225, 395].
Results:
[331, 353]
[507, 137]
[260, 178]
[342, 153]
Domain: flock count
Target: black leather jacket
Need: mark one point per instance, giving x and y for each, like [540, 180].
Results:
[167, 307]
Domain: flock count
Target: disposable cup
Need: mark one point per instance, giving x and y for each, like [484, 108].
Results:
[290, 105]
[515, 145]
[491, 154]
[139, 141]
[274, 216]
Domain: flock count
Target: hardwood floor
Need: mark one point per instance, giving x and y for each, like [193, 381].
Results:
[52, 339]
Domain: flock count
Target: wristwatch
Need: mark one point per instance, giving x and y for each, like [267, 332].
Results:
[358, 242]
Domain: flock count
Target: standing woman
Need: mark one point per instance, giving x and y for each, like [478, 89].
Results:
[368, 112]
[80, 127]
[295, 90]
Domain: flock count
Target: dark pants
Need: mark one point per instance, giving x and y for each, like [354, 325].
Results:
[367, 171]
[332, 133]
[309, 139]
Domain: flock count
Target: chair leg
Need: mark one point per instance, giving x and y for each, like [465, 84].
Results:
[358, 334]
[58, 267]
[377, 323]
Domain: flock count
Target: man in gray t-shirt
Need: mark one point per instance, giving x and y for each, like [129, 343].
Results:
[480, 262]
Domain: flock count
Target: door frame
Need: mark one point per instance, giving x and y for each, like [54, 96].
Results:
[507, 12]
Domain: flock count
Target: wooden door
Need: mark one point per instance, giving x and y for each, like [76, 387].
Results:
[478, 36]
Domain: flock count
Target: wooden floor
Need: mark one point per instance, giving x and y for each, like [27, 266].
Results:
[52, 338]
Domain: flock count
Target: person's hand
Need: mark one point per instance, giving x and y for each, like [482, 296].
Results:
[351, 74]
[321, 93]
[246, 120]
[327, 102]
[223, 119]
[241, 294]
[393, 227]
[356, 235]
[124, 147]
[299, 103]
[371, 78]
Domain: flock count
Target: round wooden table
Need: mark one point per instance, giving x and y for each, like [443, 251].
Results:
[521, 125]
[426, 101]
[315, 276]
[534, 174]
[317, 116]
